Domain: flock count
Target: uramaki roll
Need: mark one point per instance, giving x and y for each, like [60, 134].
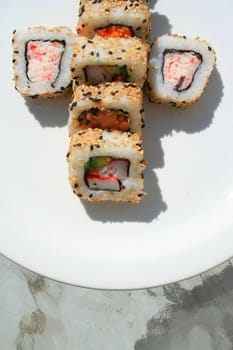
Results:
[101, 60]
[114, 105]
[109, 18]
[106, 165]
[179, 69]
[42, 61]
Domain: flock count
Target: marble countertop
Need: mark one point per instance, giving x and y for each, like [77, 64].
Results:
[37, 313]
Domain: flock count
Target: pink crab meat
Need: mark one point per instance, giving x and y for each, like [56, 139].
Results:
[97, 74]
[43, 60]
[180, 67]
[116, 167]
[110, 183]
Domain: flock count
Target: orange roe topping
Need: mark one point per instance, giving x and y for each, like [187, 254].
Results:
[115, 31]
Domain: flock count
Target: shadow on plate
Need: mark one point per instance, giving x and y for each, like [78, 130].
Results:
[160, 121]
[152, 4]
[49, 113]
[150, 207]
[163, 120]
[159, 24]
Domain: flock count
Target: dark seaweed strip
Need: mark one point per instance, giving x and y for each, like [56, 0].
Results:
[99, 189]
[95, 111]
[179, 84]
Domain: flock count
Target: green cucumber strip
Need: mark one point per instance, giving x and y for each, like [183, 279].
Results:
[117, 70]
[97, 162]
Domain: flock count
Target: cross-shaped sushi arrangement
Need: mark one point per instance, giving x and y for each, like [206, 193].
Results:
[105, 63]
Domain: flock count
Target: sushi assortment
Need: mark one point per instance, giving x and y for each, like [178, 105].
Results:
[110, 60]
[106, 64]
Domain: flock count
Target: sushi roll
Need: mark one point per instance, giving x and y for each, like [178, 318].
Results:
[114, 105]
[99, 60]
[116, 19]
[106, 165]
[42, 61]
[179, 69]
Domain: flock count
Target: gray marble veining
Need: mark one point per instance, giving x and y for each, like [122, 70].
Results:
[37, 313]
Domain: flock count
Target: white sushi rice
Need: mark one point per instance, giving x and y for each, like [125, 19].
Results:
[39, 76]
[162, 92]
[116, 144]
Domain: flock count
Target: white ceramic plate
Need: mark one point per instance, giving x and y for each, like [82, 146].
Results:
[183, 227]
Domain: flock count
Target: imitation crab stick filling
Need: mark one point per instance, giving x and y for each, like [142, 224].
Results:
[105, 119]
[115, 31]
[179, 68]
[43, 60]
[106, 173]
[105, 73]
